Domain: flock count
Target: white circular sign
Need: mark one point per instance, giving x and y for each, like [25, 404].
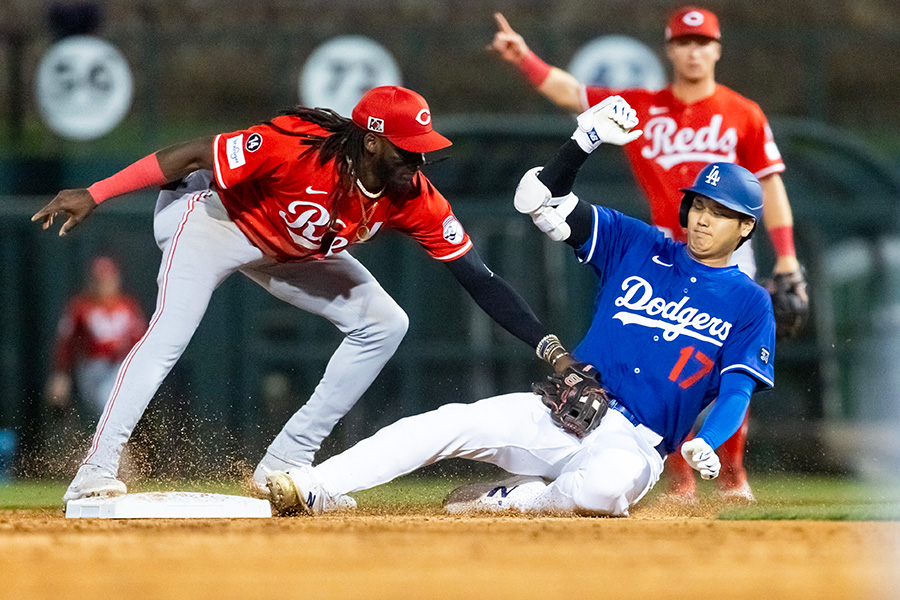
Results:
[340, 71]
[618, 61]
[84, 87]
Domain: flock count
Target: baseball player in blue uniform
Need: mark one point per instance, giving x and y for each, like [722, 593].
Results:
[674, 329]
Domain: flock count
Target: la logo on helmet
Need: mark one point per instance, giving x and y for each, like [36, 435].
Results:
[424, 116]
[713, 177]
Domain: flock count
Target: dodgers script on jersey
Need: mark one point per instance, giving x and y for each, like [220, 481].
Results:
[686, 324]
[680, 139]
[284, 202]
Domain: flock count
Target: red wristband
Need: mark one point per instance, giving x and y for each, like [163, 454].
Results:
[142, 174]
[534, 69]
[783, 240]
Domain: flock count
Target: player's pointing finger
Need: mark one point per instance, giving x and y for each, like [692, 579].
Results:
[502, 23]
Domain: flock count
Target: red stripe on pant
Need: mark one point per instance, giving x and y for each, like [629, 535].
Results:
[161, 303]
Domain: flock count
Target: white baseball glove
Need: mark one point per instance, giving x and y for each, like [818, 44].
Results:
[611, 122]
[701, 457]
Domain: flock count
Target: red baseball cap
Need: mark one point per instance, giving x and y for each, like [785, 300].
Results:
[690, 20]
[400, 115]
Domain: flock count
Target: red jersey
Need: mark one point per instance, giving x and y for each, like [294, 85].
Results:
[90, 329]
[680, 139]
[283, 202]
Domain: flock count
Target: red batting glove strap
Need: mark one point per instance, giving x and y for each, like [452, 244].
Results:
[783, 240]
[534, 69]
[142, 174]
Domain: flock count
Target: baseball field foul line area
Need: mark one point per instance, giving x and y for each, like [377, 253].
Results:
[45, 556]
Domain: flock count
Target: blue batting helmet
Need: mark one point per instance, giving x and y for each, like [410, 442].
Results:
[729, 185]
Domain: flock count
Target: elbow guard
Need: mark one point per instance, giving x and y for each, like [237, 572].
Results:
[548, 213]
[531, 193]
[552, 219]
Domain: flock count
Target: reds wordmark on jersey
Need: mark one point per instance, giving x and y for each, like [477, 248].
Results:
[680, 139]
[283, 203]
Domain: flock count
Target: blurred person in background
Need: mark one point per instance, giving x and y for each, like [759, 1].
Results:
[95, 332]
[690, 123]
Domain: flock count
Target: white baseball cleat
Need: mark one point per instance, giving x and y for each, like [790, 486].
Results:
[517, 493]
[92, 481]
[270, 464]
[299, 490]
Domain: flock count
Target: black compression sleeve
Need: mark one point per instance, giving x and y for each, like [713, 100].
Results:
[560, 171]
[497, 298]
[559, 176]
[580, 221]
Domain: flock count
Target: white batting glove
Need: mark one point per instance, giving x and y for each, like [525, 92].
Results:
[611, 121]
[701, 457]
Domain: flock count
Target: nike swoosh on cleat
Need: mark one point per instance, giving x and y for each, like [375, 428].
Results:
[659, 262]
[310, 190]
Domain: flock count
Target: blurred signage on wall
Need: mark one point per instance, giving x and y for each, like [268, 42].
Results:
[340, 71]
[84, 87]
[618, 61]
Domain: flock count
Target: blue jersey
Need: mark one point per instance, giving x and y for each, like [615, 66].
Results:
[666, 327]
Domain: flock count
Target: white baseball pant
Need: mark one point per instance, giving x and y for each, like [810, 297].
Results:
[201, 247]
[605, 473]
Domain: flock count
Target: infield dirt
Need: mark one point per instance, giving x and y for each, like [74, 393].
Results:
[43, 555]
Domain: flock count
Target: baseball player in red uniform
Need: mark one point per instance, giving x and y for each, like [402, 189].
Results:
[687, 125]
[96, 330]
[281, 202]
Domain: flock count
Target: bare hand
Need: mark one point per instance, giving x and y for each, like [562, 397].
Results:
[507, 43]
[77, 204]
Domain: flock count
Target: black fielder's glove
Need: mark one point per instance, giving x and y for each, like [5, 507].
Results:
[790, 303]
[575, 398]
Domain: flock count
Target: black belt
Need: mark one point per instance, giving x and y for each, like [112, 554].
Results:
[616, 406]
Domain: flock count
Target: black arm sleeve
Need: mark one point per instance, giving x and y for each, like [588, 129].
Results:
[497, 298]
[559, 176]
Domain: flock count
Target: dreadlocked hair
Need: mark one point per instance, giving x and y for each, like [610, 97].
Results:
[344, 144]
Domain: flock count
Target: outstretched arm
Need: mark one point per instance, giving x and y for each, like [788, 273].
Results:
[168, 164]
[558, 86]
[497, 298]
[505, 306]
[546, 193]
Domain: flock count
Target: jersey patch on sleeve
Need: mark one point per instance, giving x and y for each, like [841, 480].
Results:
[764, 355]
[234, 149]
[453, 230]
[254, 142]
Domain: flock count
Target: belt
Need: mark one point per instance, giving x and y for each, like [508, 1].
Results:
[616, 406]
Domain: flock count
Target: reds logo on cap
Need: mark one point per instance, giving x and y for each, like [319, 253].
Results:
[400, 115]
[690, 20]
